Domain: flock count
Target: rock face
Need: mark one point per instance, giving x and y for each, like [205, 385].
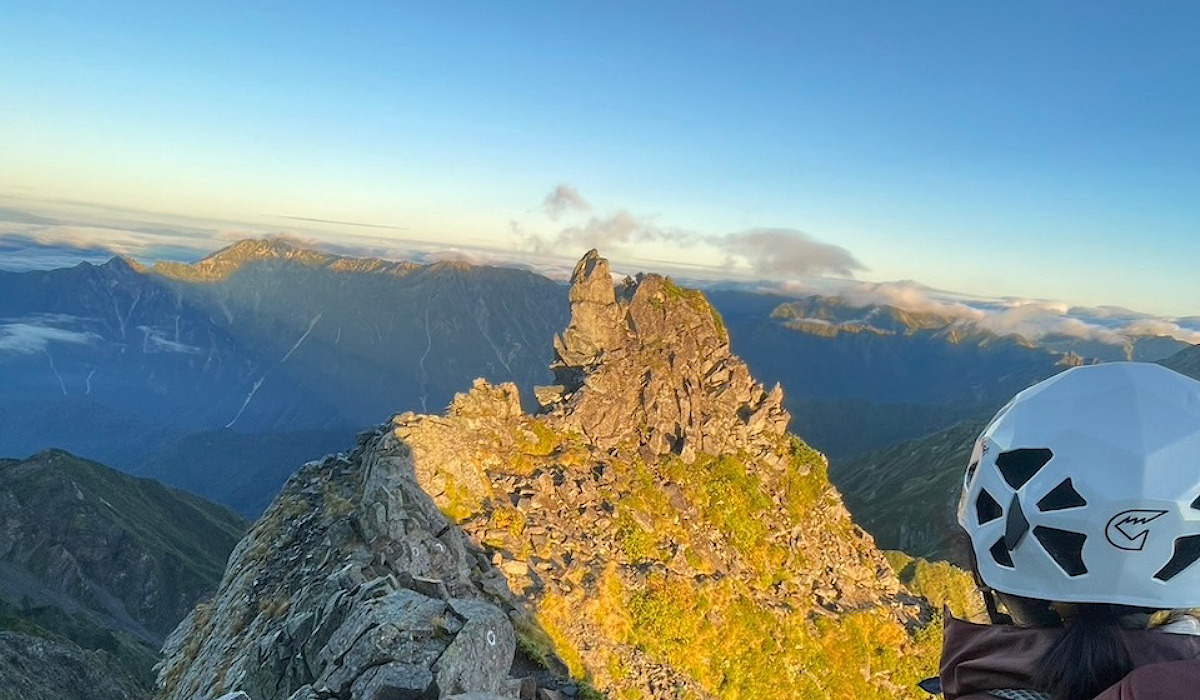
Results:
[652, 532]
[351, 585]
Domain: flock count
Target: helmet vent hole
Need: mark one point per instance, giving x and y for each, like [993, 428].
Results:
[1019, 466]
[1016, 525]
[1196, 503]
[1061, 497]
[986, 508]
[1187, 551]
[1065, 548]
[1001, 555]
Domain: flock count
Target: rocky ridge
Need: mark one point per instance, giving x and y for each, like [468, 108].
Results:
[653, 531]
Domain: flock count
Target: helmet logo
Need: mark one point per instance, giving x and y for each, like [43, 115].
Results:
[1130, 529]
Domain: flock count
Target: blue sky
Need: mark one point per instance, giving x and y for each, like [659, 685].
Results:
[1047, 150]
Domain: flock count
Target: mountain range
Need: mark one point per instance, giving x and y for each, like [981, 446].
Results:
[221, 376]
[259, 345]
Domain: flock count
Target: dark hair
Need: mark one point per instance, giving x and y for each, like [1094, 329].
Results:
[1027, 612]
[1089, 656]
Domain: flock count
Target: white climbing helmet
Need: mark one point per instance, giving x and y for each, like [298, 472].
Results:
[1086, 488]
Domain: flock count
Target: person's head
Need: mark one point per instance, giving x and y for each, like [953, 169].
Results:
[1082, 502]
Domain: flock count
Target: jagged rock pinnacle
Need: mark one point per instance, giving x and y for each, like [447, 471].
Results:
[595, 318]
[648, 365]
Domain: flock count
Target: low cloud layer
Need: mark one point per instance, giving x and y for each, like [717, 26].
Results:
[908, 295]
[565, 226]
[1034, 319]
[29, 338]
[25, 247]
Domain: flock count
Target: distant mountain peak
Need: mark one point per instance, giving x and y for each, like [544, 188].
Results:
[120, 265]
[256, 249]
[224, 262]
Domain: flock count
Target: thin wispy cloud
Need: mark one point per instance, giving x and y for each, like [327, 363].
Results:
[16, 216]
[563, 200]
[341, 222]
[617, 230]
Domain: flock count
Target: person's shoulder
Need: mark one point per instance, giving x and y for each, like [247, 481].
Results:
[1169, 680]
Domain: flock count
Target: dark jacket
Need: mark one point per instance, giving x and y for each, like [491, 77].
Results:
[1166, 681]
[979, 658]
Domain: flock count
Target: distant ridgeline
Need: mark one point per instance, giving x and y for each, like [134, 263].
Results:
[861, 377]
[651, 530]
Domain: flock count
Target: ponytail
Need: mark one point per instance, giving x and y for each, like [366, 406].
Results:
[1089, 657]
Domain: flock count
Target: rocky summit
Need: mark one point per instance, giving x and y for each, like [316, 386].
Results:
[652, 531]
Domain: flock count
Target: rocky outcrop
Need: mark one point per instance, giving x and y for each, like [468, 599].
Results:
[33, 668]
[659, 376]
[653, 532]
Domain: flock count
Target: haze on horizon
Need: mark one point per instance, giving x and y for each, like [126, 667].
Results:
[1024, 151]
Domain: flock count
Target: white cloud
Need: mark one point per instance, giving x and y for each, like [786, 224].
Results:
[31, 338]
[454, 255]
[620, 230]
[787, 252]
[1163, 327]
[909, 296]
[766, 252]
[1036, 321]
